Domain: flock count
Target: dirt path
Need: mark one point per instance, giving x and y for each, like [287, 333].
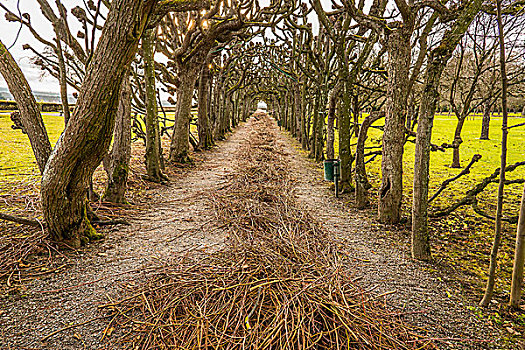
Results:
[180, 223]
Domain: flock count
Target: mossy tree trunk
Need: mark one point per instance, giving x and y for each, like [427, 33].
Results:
[87, 136]
[204, 129]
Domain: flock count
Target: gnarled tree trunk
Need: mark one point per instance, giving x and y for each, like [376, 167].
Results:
[205, 134]
[153, 147]
[87, 136]
[180, 142]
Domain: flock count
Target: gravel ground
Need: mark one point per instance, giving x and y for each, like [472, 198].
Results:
[180, 223]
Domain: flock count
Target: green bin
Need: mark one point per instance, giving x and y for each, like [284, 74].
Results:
[329, 169]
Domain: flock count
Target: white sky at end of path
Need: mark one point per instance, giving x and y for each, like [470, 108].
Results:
[44, 82]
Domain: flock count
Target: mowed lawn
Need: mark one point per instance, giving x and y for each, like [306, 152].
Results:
[443, 132]
[17, 162]
[16, 156]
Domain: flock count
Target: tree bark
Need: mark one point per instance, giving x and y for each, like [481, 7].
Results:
[361, 180]
[118, 158]
[319, 126]
[62, 76]
[456, 161]
[315, 118]
[519, 259]
[429, 100]
[302, 117]
[356, 112]
[153, 162]
[29, 113]
[345, 135]
[205, 135]
[87, 136]
[330, 134]
[391, 191]
[420, 242]
[489, 291]
[297, 112]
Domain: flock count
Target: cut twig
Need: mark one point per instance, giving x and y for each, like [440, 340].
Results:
[277, 283]
[70, 327]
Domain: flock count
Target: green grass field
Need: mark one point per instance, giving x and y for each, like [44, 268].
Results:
[440, 161]
[16, 157]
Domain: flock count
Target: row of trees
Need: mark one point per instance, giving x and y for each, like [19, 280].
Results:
[113, 63]
[400, 63]
[318, 69]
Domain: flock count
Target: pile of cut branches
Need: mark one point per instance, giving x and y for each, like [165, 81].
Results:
[278, 283]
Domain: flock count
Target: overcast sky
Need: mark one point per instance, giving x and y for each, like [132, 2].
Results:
[8, 34]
